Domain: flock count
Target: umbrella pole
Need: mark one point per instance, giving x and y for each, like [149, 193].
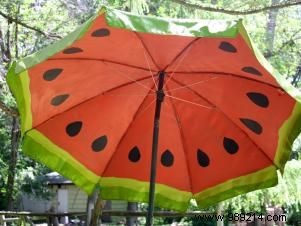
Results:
[159, 100]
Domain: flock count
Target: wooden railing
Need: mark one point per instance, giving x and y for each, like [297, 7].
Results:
[25, 218]
[4, 220]
[21, 218]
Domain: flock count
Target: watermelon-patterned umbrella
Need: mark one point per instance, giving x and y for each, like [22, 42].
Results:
[90, 106]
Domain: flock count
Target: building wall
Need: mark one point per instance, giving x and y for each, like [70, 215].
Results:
[32, 204]
[77, 199]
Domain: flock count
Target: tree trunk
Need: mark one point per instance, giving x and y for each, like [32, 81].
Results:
[15, 135]
[90, 206]
[271, 27]
[94, 208]
[297, 76]
[95, 221]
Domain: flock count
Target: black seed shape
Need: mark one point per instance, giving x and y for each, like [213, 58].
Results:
[52, 74]
[134, 154]
[102, 32]
[228, 47]
[99, 143]
[72, 50]
[252, 125]
[57, 100]
[230, 145]
[73, 128]
[259, 99]
[167, 158]
[203, 158]
[251, 70]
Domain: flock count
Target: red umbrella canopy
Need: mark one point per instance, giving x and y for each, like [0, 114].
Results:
[87, 107]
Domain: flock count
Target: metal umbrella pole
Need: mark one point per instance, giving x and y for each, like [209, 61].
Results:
[159, 100]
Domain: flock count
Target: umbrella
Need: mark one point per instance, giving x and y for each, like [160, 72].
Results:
[92, 104]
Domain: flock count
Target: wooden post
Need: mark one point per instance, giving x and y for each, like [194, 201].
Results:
[259, 222]
[219, 212]
[2, 220]
[107, 206]
[48, 219]
[279, 212]
[269, 217]
[27, 219]
[131, 221]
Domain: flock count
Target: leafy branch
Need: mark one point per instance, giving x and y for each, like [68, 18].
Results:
[11, 19]
[7, 110]
[288, 42]
[237, 12]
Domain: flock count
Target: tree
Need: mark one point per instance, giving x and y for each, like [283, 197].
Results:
[271, 27]
[16, 39]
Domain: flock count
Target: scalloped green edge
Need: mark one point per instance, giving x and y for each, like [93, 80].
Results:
[169, 26]
[287, 134]
[40, 148]
[261, 179]
[19, 86]
[134, 190]
[291, 128]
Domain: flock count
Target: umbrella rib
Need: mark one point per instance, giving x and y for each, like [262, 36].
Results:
[129, 83]
[184, 51]
[150, 70]
[146, 108]
[228, 74]
[180, 53]
[168, 115]
[193, 84]
[105, 61]
[147, 50]
[128, 77]
[189, 102]
[182, 138]
[90, 98]
[217, 108]
[125, 132]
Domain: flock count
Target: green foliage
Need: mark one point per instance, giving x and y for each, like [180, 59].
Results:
[286, 194]
[33, 182]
